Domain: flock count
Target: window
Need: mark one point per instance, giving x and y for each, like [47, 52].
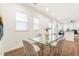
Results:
[36, 23]
[50, 31]
[21, 21]
[53, 31]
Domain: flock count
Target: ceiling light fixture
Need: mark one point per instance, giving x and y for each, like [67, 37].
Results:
[34, 3]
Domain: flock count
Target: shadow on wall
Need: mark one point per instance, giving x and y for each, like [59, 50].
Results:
[1, 28]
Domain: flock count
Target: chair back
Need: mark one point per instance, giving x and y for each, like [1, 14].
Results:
[68, 48]
[29, 49]
[59, 47]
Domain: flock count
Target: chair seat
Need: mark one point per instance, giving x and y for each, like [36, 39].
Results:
[36, 48]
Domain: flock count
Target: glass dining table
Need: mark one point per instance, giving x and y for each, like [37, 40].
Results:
[42, 43]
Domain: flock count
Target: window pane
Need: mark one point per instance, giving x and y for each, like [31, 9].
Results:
[21, 26]
[50, 32]
[35, 27]
[36, 23]
[53, 37]
[50, 25]
[21, 21]
[21, 16]
[36, 20]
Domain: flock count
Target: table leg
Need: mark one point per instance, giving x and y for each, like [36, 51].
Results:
[50, 51]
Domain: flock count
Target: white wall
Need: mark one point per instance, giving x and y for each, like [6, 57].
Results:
[13, 38]
[0, 9]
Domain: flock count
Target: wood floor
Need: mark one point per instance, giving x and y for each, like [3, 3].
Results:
[15, 52]
[63, 48]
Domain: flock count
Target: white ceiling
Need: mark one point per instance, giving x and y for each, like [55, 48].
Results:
[62, 11]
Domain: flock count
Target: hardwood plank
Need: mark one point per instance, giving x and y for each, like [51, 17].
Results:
[15, 52]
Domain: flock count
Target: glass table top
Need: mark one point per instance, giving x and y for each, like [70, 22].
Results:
[42, 39]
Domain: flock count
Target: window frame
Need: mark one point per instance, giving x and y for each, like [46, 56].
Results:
[33, 24]
[25, 22]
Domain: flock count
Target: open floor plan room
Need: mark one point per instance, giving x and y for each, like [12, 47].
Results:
[39, 29]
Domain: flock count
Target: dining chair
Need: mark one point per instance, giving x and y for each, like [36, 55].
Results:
[59, 47]
[68, 48]
[29, 49]
[76, 42]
